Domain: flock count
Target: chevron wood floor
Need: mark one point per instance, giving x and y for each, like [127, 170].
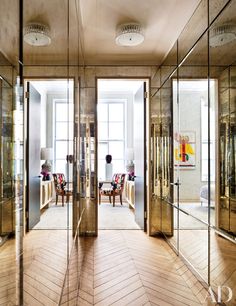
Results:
[7, 273]
[45, 262]
[119, 267]
[222, 256]
[129, 268]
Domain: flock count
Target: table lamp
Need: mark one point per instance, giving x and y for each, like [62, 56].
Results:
[130, 158]
[47, 155]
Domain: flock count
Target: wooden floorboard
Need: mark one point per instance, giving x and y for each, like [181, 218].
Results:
[222, 255]
[130, 268]
[45, 262]
[119, 267]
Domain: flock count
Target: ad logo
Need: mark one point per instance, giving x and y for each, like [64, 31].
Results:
[219, 297]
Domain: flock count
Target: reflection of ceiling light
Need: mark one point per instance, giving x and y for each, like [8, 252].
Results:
[37, 34]
[222, 35]
[129, 34]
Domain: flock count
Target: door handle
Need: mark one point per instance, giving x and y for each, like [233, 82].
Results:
[175, 184]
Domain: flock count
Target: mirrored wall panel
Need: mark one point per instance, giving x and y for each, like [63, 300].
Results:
[195, 106]
[8, 271]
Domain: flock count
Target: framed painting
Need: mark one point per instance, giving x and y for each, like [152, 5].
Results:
[185, 150]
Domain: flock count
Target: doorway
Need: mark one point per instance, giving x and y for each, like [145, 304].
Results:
[121, 153]
[50, 107]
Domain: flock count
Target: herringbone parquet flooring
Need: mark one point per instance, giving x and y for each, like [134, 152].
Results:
[222, 258]
[45, 263]
[119, 267]
[129, 268]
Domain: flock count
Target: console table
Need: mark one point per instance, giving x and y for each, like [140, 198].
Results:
[129, 193]
[46, 192]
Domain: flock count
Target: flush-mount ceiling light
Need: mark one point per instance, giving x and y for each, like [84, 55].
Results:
[222, 35]
[37, 34]
[129, 34]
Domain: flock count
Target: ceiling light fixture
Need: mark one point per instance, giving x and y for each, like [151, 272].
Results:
[222, 35]
[37, 34]
[129, 34]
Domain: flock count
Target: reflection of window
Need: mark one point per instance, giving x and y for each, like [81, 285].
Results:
[204, 142]
[63, 135]
[111, 136]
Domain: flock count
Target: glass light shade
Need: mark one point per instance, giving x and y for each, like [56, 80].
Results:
[129, 34]
[222, 35]
[37, 34]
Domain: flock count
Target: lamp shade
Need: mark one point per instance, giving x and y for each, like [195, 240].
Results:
[130, 154]
[46, 153]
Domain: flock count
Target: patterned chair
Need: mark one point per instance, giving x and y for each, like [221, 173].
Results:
[116, 188]
[60, 184]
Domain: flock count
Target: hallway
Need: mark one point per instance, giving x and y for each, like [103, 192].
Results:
[129, 268]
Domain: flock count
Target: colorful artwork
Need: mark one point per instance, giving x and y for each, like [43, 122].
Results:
[184, 150]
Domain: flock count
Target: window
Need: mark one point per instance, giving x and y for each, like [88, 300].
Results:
[111, 135]
[63, 134]
[204, 142]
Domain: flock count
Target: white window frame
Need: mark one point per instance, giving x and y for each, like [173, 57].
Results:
[108, 102]
[55, 140]
[204, 141]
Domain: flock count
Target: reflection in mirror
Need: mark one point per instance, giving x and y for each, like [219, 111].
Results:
[222, 266]
[173, 239]
[193, 30]
[170, 64]
[204, 159]
[55, 113]
[161, 160]
[191, 146]
[88, 187]
[156, 186]
[191, 149]
[193, 243]
[61, 37]
[6, 146]
[166, 158]
[87, 162]
[7, 191]
[192, 143]
[215, 7]
[227, 187]
[223, 67]
[45, 252]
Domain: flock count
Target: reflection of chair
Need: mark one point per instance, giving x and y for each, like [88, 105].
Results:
[116, 188]
[60, 183]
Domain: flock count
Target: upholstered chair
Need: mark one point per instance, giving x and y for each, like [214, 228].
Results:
[60, 187]
[115, 189]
